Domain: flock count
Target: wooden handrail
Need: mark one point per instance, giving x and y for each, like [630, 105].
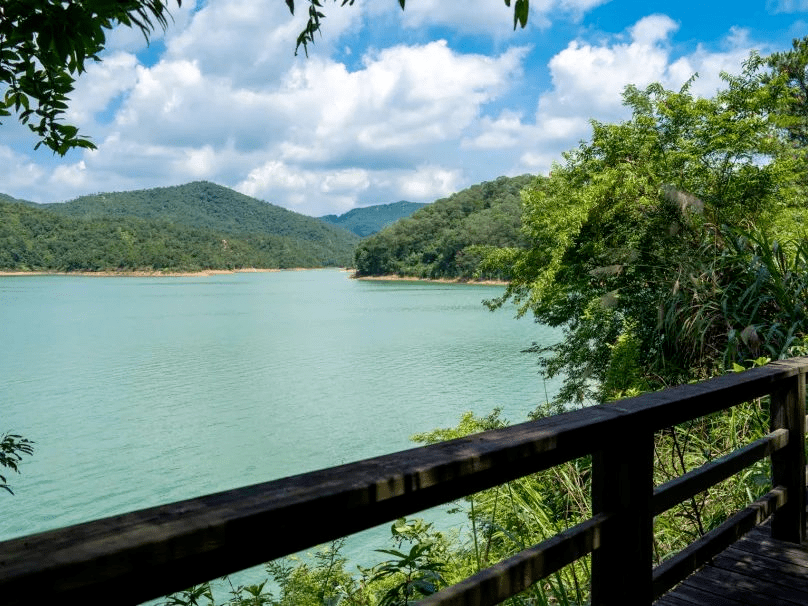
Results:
[699, 479]
[692, 557]
[155, 551]
[513, 575]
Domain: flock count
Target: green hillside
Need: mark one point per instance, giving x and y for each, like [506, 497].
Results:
[34, 239]
[7, 198]
[210, 206]
[447, 238]
[371, 219]
[184, 228]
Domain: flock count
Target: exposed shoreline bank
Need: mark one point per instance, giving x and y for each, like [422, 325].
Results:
[152, 274]
[217, 272]
[398, 278]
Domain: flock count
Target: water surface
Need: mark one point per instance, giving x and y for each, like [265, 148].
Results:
[142, 391]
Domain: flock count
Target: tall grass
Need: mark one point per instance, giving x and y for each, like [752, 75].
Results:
[743, 297]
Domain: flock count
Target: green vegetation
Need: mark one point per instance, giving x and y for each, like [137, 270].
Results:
[669, 248]
[7, 198]
[186, 228]
[44, 47]
[448, 238]
[12, 449]
[208, 206]
[371, 219]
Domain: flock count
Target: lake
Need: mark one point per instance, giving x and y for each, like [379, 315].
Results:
[142, 391]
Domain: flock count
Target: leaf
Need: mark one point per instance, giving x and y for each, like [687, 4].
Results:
[520, 13]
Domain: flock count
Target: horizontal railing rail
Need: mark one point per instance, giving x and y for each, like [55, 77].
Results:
[155, 551]
[697, 480]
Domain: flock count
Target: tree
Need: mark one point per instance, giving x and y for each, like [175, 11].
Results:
[46, 44]
[788, 79]
[629, 238]
[446, 239]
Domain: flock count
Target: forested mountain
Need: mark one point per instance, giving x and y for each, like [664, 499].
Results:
[33, 239]
[185, 228]
[7, 198]
[447, 238]
[371, 219]
[210, 206]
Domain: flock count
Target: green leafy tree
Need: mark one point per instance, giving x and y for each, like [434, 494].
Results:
[788, 80]
[633, 218]
[45, 45]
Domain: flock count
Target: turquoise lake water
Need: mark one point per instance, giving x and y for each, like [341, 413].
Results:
[142, 391]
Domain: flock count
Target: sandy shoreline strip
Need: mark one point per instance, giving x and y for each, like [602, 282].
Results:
[217, 272]
[397, 278]
[150, 274]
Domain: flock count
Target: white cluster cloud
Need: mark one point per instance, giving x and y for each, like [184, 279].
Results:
[222, 97]
[399, 102]
[17, 172]
[786, 6]
[490, 17]
[589, 79]
[588, 82]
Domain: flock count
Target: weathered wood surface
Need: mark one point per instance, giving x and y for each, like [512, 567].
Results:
[623, 485]
[674, 492]
[757, 570]
[692, 557]
[163, 549]
[787, 411]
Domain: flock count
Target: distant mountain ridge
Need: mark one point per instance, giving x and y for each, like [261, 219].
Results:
[368, 220]
[204, 205]
[183, 228]
[202, 225]
[10, 199]
[450, 237]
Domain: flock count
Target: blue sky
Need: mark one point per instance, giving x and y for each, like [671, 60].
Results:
[389, 105]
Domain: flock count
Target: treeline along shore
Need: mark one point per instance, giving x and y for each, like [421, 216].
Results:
[203, 227]
[188, 228]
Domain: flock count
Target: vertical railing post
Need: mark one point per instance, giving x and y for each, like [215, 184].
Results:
[623, 486]
[788, 464]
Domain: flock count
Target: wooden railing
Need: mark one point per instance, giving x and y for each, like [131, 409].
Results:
[149, 553]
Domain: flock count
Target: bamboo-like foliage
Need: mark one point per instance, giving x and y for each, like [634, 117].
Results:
[744, 301]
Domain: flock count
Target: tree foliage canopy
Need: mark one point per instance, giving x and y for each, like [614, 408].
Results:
[448, 238]
[190, 227]
[660, 244]
[46, 44]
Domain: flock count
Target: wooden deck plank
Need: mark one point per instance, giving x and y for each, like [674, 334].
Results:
[673, 600]
[755, 570]
[763, 544]
[747, 589]
[768, 568]
[693, 596]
